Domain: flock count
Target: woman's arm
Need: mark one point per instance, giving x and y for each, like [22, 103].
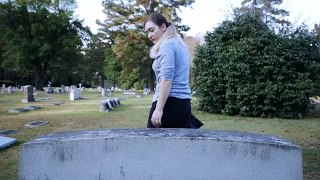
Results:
[164, 90]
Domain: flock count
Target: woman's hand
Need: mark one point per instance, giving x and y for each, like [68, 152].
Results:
[156, 118]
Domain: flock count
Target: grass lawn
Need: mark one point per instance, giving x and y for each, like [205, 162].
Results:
[84, 115]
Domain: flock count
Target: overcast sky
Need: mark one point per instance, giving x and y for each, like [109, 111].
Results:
[206, 14]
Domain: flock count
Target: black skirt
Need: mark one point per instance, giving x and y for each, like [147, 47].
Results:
[176, 114]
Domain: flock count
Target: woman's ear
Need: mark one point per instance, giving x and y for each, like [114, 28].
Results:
[163, 27]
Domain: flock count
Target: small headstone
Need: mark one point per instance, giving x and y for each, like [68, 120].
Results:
[17, 110]
[105, 93]
[104, 106]
[118, 101]
[73, 87]
[50, 90]
[7, 132]
[129, 92]
[35, 94]
[3, 86]
[82, 89]
[21, 88]
[110, 104]
[55, 104]
[10, 89]
[47, 98]
[36, 124]
[32, 107]
[63, 89]
[6, 141]
[75, 94]
[138, 96]
[28, 94]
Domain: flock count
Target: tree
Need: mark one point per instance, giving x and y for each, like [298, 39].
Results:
[94, 64]
[270, 14]
[247, 69]
[125, 28]
[41, 36]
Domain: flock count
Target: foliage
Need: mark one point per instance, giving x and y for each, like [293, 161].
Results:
[125, 28]
[41, 36]
[247, 69]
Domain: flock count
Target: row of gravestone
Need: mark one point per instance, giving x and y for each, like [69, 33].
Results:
[107, 105]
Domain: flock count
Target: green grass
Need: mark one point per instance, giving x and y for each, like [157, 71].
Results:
[84, 115]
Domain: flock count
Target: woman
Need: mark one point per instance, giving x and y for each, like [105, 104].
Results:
[171, 102]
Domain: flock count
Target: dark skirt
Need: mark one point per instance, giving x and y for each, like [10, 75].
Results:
[176, 114]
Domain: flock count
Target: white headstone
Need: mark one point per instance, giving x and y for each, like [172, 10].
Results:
[10, 89]
[74, 94]
[63, 89]
[22, 88]
[28, 94]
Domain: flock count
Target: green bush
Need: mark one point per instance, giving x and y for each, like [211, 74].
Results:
[138, 85]
[246, 69]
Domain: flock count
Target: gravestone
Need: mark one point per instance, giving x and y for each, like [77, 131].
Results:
[104, 106]
[118, 101]
[50, 90]
[138, 96]
[21, 88]
[129, 92]
[28, 94]
[10, 89]
[7, 132]
[32, 107]
[55, 104]
[82, 89]
[3, 86]
[159, 154]
[74, 94]
[63, 89]
[17, 110]
[35, 94]
[36, 124]
[110, 104]
[6, 141]
[47, 98]
[105, 93]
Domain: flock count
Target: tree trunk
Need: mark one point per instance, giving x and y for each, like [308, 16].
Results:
[39, 80]
[41, 73]
[102, 80]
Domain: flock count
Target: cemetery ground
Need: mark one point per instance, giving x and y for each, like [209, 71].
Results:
[84, 115]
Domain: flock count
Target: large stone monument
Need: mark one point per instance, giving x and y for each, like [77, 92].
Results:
[28, 94]
[158, 154]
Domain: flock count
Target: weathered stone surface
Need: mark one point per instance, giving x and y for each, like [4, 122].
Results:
[159, 154]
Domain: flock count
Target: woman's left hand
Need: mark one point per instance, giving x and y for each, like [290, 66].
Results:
[156, 118]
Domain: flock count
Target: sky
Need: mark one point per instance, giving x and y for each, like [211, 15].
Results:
[207, 14]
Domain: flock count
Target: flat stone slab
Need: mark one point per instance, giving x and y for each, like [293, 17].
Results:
[7, 132]
[32, 107]
[55, 104]
[35, 94]
[159, 154]
[48, 98]
[36, 124]
[6, 141]
[17, 110]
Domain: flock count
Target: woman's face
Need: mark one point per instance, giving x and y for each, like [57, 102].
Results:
[154, 31]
